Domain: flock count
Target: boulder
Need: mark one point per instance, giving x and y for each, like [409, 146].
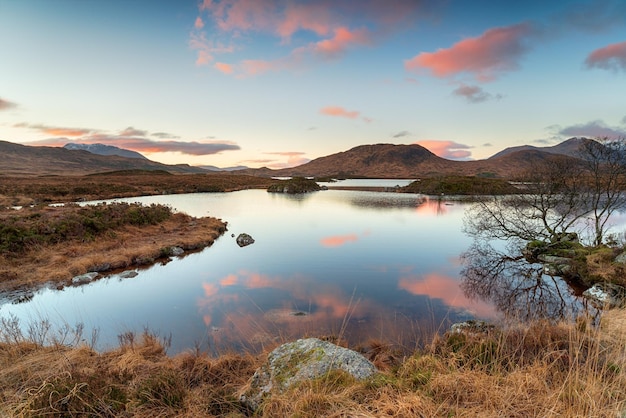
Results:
[84, 278]
[606, 295]
[301, 360]
[244, 239]
[472, 327]
[176, 251]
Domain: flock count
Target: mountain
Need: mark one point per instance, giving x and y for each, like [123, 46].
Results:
[570, 147]
[102, 149]
[407, 161]
[20, 159]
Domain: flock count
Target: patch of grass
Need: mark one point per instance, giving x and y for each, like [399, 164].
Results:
[544, 369]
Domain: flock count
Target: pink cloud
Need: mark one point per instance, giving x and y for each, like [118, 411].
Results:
[55, 130]
[327, 20]
[342, 39]
[339, 111]
[5, 104]
[496, 51]
[294, 159]
[446, 149]
[223, 67]
[338, 240]
[129, 138]
[611, 57]
[198, 24]
[315, 17]
[206, 49]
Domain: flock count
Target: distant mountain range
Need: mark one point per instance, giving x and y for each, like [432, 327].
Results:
[373, 161]
[413, 161]
[102, 149]
[28, 160]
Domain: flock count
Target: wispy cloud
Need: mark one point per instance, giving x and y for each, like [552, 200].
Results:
[5, 104]
[130, 131]
[447, 149]
[594, 16]
[486, 57]
[294, 159]
[56, 130]
[223, 67]
[339, 111]
[334, 27]
[129, 138]
[610, 57]
[401, 134]
[474, 94]
[593, 129]
[165, 135]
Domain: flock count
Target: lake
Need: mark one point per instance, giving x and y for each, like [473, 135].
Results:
[351, 264]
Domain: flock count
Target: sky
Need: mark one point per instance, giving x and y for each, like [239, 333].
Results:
[277, 83]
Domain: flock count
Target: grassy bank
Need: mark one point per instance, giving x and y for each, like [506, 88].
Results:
[48, 189]
[542, 370]
[53, 244]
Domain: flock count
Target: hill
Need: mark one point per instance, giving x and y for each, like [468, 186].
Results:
[22, 160]
[569, 147]
[102, 149]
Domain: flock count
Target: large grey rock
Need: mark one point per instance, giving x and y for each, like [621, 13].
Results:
[606, 295]
[84, 278]
[244, 239]
[300, 360]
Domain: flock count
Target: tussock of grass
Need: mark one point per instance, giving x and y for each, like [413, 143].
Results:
[540, 370]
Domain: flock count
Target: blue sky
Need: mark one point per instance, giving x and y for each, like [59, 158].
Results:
[279, 82]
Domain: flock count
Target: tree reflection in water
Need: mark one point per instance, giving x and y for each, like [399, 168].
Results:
[517, 288]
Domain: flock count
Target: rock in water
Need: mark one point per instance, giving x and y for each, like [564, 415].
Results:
[606, 295]
[244, 239]
[300, 360]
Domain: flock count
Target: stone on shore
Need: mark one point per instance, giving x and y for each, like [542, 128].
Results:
[301, 360]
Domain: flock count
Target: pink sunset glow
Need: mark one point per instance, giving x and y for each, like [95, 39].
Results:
[610, 57]
[446, 149]
[339, 111]
[496, 51]
[338, 240]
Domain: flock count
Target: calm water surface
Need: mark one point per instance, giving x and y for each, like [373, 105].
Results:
[356, 264]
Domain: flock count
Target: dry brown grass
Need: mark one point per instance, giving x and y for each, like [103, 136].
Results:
[120, 248]
[544, 370]
[16, 191]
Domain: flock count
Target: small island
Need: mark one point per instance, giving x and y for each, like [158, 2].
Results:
[295, 185]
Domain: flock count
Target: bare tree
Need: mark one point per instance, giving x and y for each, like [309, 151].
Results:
[560, 193]
[548, 205]
[605, 167]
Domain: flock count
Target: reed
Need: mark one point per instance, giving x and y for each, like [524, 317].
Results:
[540, 370]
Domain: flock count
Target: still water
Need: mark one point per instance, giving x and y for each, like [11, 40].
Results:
[359, 265]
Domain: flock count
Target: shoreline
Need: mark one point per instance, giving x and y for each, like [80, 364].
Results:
[118, 249]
